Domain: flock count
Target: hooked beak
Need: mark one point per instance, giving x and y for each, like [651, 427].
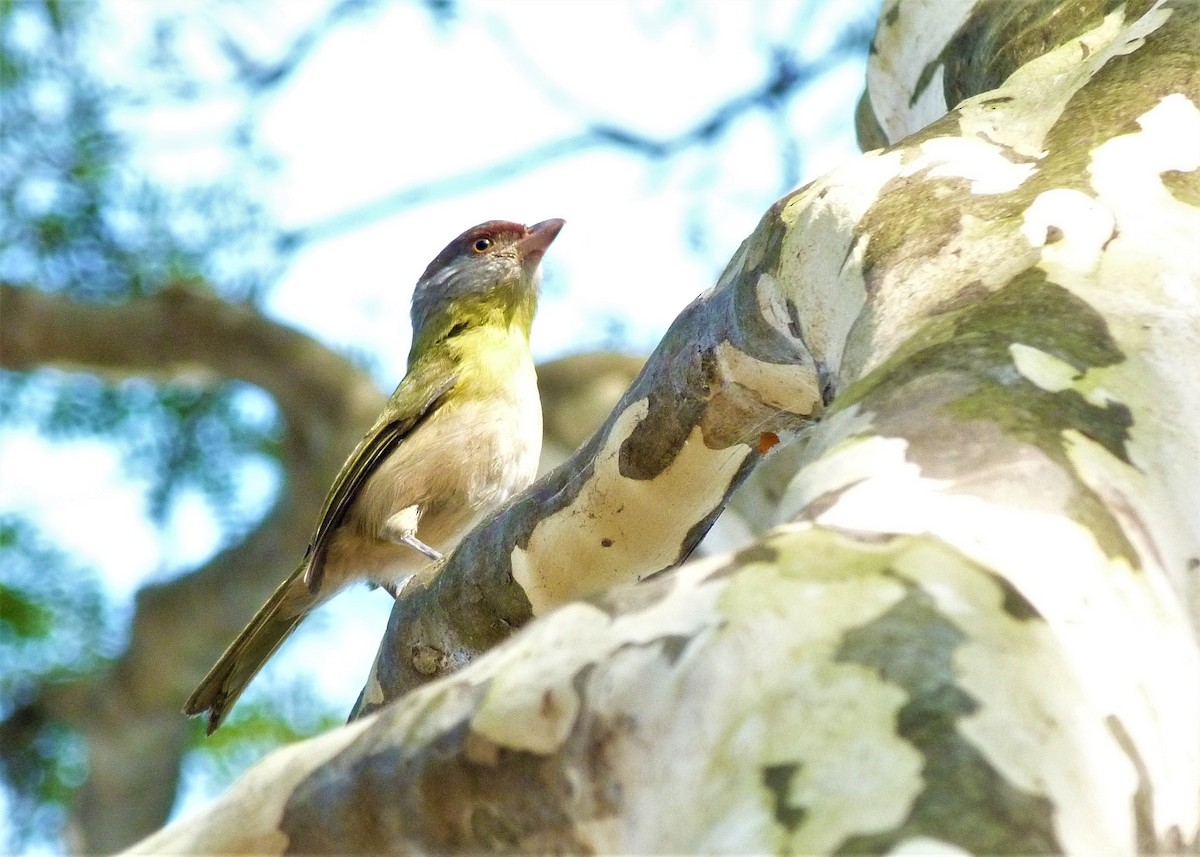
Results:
[532, 247]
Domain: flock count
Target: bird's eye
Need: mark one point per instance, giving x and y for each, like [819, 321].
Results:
[482, 245]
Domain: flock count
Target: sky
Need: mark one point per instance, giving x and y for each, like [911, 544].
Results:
[392, 100]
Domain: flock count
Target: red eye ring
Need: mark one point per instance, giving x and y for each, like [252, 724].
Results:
[482, 245]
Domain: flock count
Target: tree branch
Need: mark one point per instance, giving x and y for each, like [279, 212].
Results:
[721, 387]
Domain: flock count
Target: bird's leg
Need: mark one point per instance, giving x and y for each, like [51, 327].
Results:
[418, 545]
[401, 528]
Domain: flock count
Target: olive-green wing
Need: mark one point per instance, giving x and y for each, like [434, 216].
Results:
[418, 396]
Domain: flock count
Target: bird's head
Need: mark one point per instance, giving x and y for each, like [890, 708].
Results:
[490, 268]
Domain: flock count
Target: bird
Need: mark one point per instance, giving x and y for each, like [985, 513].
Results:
[461, 433]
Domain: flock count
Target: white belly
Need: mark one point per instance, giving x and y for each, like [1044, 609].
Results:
[457, 466]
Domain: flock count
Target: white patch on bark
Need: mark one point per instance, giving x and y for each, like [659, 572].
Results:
[791, 387]
[903, 50]
[981, 163]
[820, 266]
[1147, 286]
[1053, 374]
[923, 846]
[1159, 651]
[1135, 35]
[611, 541]
[1050, 373]
[836, 720]
[1126, 172]
[1071, 229]
[857, 459]
[912, 289]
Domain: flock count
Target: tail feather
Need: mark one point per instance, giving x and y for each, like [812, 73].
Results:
[271, 625]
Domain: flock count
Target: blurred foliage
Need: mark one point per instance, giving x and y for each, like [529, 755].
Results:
[77, 218]
[54, 623]
[172, 437]
[43, 763]
[74, 216]
[54, 627]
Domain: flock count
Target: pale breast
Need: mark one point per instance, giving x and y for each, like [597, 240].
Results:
[457, 466]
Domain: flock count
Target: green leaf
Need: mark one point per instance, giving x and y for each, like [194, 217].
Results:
[21, 616]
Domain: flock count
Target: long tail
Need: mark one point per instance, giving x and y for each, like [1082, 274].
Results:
[271, 625]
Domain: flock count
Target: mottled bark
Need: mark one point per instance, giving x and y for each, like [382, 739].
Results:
[976, 627]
